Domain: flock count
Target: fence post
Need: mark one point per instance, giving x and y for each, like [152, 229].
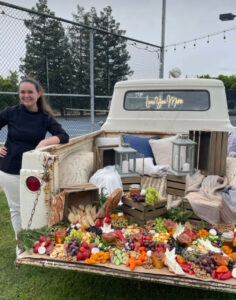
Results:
[91, 49]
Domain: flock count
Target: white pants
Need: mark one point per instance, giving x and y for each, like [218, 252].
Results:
[10, 184]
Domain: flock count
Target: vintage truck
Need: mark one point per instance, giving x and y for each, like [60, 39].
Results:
[158, 107]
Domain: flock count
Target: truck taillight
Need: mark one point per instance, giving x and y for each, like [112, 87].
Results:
[32, 183]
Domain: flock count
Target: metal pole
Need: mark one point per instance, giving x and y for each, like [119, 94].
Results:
[161, 70]
[91, 78]
[48, 90]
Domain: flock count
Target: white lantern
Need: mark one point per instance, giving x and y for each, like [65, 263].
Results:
[183, 150]
[125, 160]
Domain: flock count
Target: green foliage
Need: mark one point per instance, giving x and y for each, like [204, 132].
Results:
[27, 238]
[179, 214]
[9, 84]
[102, 197]
[229, 81]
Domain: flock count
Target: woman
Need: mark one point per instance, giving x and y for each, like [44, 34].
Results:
[27, 124]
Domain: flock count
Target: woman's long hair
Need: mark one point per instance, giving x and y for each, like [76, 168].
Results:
[42, 102]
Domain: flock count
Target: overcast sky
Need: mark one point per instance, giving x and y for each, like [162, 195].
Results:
[185, 20]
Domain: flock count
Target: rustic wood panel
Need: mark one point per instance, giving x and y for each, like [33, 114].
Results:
[130, 180]
[172, 191]
[139, 216]
[212, 151]
[176, 185]
[171, 177]
[224, 153]
[218, 156]
[142, 206]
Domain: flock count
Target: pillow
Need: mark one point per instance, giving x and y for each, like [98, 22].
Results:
[149, 168]
[143, 166]
[162, 150]
[141, 144]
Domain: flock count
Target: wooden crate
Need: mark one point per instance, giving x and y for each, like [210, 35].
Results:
[175, 185]
[140, 212]
[104, 156]
[127, 181]
[86, 193]
[211, 151]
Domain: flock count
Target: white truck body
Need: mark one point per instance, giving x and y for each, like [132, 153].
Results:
[72, 163]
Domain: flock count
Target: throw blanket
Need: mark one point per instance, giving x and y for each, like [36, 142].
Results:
[204, 195]
[229, 204]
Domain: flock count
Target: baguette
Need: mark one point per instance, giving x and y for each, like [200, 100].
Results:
[110, 203]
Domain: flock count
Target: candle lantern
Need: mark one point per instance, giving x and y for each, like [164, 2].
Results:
[183, 150]
[125, 160]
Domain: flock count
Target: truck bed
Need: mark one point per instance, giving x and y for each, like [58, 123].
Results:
[162, 276]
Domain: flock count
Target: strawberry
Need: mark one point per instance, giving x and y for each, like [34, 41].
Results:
[98, 223]
[84, 255]
[79, 256]
[42, 238]
[36, 248]
[36, 244]
[47, 242]
[84, 244]
[82, 249]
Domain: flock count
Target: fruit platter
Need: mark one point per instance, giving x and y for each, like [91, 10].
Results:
[164, 249]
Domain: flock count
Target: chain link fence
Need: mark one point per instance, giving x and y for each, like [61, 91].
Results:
[76, 64]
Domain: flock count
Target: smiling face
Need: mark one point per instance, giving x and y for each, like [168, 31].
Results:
[29, 95]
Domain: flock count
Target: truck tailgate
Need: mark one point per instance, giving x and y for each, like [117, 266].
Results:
[162, 276]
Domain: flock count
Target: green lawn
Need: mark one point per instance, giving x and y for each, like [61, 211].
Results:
[29, 282]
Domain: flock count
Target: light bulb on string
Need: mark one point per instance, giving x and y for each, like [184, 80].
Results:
[194, 44]
[208, 41]
[175, 48]
[184, 45]
[224, 37]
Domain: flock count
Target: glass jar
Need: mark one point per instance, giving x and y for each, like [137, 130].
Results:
[227, 239]
[59, 236]
[134, 189]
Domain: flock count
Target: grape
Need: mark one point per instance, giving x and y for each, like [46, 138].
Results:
[159, 225]
[138, 198]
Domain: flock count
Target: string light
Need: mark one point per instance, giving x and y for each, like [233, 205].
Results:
[194, 41]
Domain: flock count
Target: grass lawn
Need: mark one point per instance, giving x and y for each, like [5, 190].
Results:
[37, 283]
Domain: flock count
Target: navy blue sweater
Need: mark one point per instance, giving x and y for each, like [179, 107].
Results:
[25, 130]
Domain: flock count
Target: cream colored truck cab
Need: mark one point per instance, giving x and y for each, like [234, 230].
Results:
[158, 106]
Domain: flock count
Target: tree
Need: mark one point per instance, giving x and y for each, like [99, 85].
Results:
[79, 49]
[110, 53]
[9, 84]
[47, 53]
[229, 81]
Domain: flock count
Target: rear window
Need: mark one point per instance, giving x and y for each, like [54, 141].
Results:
[172, 100]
